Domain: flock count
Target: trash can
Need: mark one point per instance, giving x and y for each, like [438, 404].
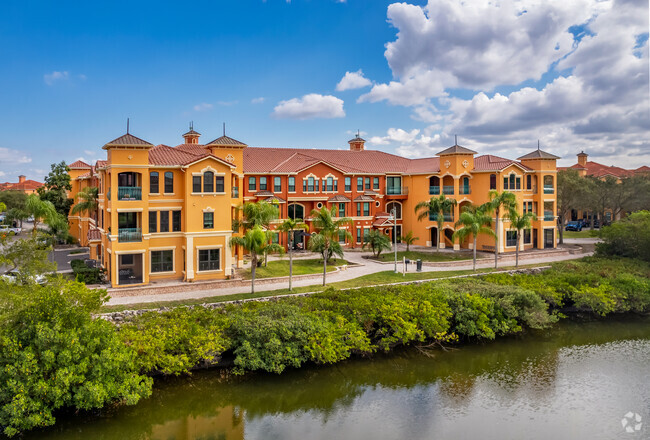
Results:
[418, 265]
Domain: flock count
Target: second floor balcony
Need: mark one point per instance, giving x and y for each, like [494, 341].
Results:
[465, 190]
[397, 190]
[434, 190]
[129, 235]
[448, 189]
[235, 192]
[129, 193]
[548, 189]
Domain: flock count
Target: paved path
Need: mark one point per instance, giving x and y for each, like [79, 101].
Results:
[366, 267]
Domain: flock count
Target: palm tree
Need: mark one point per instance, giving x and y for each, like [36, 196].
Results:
[41, 210]
[435, 208]
[87, 201]
[325, 241]
[255, 241]
[519, 222]
[508, 201]
[289, 226]
[256, 214]
[409, 239]
[377, 241]
[473, 222]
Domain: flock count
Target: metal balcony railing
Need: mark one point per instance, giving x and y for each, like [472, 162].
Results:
[548, 216]
[129, 235]
[129, 193]
[448, 189]
[548, 189]
[465, 190]
[446, 217]
[397, 190]
[235, 192]
[434, 190]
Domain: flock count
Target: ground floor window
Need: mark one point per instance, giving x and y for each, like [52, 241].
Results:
[527, 236]
[511, 238]
[209, 259]
[358, 235]
[342, 233]
[162, 261]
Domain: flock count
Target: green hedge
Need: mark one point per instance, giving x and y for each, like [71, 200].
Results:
[85, 274]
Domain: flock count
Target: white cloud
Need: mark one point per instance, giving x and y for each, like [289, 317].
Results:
[2, 173]
[353, 80]
[227, 103]
[204, 106]
[310, 106]
[8, 156]
[51, 78]
[259, 100]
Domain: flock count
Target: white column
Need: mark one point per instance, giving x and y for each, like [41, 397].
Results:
[227, 270]
[189, 256]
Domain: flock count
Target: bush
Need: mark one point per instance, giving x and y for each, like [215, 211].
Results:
[629, 237]
[54, 355]
[85, 274]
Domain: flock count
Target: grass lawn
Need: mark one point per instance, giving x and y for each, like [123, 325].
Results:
[426, 256]
[280, 268]
[585, 233]
[385, 277]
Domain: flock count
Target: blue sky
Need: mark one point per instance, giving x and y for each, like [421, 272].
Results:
[74, 71]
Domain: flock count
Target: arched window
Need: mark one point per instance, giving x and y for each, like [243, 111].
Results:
[465, 187]
[512, 181]
[548, 184]
[310, 184]
[434, 185]
[398, 209]
[208, 182]
[493, 181]
[330, 184]
[296, 211]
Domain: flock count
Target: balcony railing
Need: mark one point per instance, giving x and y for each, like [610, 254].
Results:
[548, 189]
[465, 190]
[397, 190]
[446, 217]
[434, 190]
[548, 216]
[129, 193]
[129, 235]
[235, 192]
[448, 189]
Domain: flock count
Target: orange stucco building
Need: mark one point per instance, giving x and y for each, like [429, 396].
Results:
[166, 212]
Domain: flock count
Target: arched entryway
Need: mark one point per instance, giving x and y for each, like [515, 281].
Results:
[433, 236]
[449, 241]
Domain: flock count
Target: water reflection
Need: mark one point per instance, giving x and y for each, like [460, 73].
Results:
[573, 382]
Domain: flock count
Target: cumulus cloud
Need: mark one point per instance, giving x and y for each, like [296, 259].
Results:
[202, 107]
[9, 156]
[597, 98]
[56, 76]
[353, 80]
[310, 106]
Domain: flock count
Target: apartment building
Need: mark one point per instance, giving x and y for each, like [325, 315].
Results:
[166, 212]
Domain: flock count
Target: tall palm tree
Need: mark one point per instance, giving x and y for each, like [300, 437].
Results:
[41, 210]
[257, 214]
[325, 241]
[519, 222]
[435, 207]
[255, 241]
[506, 200]
[290, 226]
[473, 222]
[87, 201]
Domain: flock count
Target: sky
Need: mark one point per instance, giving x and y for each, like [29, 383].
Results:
[501, 75]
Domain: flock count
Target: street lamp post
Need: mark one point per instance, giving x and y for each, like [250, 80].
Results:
[393, 214]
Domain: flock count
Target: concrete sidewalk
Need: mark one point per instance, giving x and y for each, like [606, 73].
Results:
[363, 267]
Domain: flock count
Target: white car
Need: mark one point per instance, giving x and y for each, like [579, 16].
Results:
[12, 278]
[8, 229]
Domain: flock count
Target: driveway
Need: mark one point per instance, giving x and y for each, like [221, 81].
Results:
[62, 257]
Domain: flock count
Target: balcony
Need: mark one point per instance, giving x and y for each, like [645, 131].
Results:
[434, 190]
[235, 192]
[448, 189]
[465, 190]
[397, 190]
[129, 235]
[446, 218]
[129, 193]
[548, 216]
[548, 189]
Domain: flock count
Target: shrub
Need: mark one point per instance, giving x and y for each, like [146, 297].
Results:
[629, 237]
[85, 274]
[54, 355]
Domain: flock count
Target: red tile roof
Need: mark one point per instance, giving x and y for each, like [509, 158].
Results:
[225, 140]
[101, 163]
[79, 165]
[599, 170]
[456, 149]
[164, 155]
[27, 185]
[127, 140]
[489, 162]
[538, 154]
[196, 149]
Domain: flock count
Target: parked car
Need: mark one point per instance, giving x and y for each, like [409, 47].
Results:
[15, 277]
[573, 226]
[596, 224]
[5, 229]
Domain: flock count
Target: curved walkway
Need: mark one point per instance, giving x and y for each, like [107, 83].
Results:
[364, 267]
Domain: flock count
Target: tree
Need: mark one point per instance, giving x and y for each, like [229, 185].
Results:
[571, 194]
[519, 222]
[3, 207]
[290, 226]
[88, 201]
[254, 240]
[377, 241]
[435, 208]
[55, 355]
[473, 222]
[629, 237]
[27, 257]
[57, 183]
[506, 200]
[17, 215]
[257, 214]
[326, 240]
[409, 239]
[13, 199]
[41, 210]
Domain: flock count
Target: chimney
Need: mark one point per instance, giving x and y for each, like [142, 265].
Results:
[21, 178]
[582, 159]
[357, 144]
